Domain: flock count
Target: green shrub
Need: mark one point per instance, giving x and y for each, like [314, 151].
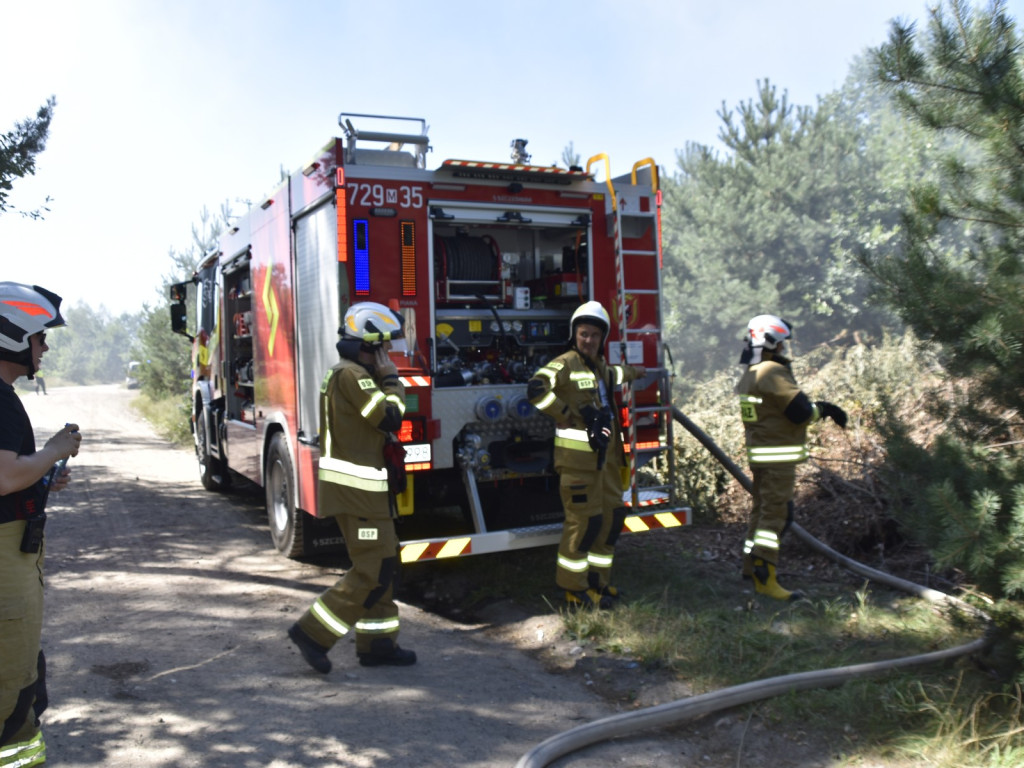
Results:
[170, 416]
[865, 380]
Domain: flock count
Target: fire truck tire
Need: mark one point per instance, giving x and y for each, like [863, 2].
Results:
[213, 473]
[284, 519]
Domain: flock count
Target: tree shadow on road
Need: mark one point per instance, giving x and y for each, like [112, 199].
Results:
[165, 630]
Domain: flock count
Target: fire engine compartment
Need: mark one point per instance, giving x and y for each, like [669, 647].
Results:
[506, 285]
[504, 292]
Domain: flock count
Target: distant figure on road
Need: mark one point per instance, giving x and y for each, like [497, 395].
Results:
[26, 313]
[40, 384]
[362, 402]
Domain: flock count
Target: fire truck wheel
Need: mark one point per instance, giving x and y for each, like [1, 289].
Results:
[284, 519]
[213, 473]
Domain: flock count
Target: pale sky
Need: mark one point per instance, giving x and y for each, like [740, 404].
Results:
[166, 107]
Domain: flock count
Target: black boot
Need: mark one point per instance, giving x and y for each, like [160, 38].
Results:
[314, 653]
[747, 571]
[613, 593]
[385, 652]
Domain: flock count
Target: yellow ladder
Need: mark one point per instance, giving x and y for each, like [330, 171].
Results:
[634, 211]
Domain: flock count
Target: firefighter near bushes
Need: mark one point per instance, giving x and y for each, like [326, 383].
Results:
[576, 389]
[775, 414]
[27, 476]
[361, 469]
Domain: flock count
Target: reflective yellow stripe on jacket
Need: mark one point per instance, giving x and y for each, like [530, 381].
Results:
[549, 372]
[769, 454]
[583, 379]
[347, 473]
[776, 454]
[341, 472]
[573, 439]
[375, 398]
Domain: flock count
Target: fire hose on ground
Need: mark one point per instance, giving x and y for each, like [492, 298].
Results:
[693, 707]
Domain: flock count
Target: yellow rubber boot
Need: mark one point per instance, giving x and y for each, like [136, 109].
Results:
[588, 598]
[766, 584]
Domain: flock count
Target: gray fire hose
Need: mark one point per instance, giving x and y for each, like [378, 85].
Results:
[880, 576]
[697, 706]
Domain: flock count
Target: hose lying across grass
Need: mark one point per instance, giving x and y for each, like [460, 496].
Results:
[697, 706]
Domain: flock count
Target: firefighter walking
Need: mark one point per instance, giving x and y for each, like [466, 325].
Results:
[26, 313]
[362, 402]
[775, 414]
[576, 390]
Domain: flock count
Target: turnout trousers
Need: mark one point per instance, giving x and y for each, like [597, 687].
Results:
[771, 512]
[363, 599]
[594, 514]
[22, 671]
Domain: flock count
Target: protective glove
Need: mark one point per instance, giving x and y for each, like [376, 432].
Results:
[394, 463]
[383, 365]
[834, 412]
[599, 426]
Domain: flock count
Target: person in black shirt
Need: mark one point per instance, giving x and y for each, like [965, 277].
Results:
[26, 476]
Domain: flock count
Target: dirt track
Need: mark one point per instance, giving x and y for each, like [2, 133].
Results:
[165, 636]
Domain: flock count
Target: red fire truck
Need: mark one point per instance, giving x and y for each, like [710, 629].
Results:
[487, 262]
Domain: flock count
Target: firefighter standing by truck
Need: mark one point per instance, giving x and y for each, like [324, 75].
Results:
[576, 390]
[775, 414]
[26, 313]
[362, 402]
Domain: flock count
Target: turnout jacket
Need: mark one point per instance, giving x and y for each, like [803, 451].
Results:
[768, 395]
[356, 413]
[566, 385]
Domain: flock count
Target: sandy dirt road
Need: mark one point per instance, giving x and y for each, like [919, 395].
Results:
[166, 612]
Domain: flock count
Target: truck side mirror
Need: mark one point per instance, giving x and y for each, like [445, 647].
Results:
[179, 320]
[179, 292]
[179, 311]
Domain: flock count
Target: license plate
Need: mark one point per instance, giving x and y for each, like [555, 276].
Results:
[417, 453]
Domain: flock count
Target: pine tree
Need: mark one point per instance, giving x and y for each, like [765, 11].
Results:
[772, 225]
[959, 280]
[18, 150]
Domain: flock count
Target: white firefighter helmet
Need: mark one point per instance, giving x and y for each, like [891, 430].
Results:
[24, 311]
[768, 331]
[367, 325]
[590, 312]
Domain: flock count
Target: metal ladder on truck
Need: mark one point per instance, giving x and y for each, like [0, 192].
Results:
[635, 216]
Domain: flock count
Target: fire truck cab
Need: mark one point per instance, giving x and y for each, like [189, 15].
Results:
[486, 261]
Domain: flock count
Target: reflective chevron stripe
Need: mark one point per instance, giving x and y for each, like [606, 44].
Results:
[640, 523]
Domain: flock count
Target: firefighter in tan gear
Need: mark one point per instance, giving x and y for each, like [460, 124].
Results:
[775, 416]
[362, 403]
[27, 312]
[576, 390]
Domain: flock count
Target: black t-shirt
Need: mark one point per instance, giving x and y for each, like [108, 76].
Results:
[16, 435]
